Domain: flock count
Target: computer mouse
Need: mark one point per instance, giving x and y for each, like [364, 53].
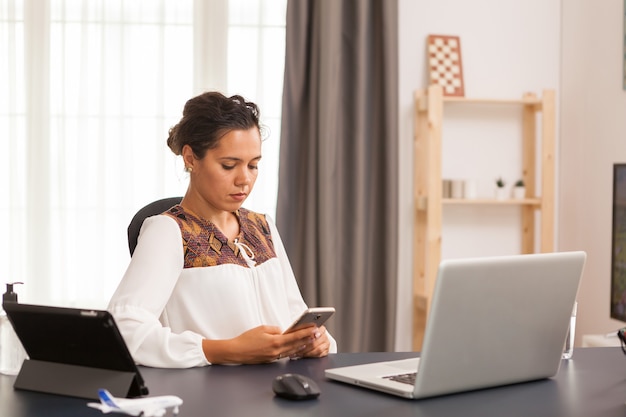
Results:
[295, 387]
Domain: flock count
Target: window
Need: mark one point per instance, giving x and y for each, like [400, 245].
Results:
[90, 89]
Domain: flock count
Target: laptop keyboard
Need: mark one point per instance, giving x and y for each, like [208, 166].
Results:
[404, 378]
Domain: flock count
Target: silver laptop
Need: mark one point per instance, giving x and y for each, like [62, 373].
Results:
[493, 321]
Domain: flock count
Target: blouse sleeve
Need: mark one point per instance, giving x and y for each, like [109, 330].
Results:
[143, 293]
[296, 302]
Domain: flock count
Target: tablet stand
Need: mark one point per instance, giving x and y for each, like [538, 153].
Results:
[74, 380]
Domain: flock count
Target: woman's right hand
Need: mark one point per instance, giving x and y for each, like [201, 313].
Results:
[259, 345]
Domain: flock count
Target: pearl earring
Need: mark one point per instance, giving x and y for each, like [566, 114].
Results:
[189, 169]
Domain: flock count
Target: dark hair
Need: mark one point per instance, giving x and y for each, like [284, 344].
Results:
[208, 117]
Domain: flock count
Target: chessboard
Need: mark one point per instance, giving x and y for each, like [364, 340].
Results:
[444, 64]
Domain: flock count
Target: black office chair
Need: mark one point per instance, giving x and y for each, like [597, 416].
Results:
[152, 209]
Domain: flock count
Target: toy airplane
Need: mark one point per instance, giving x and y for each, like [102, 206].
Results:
[145, 407]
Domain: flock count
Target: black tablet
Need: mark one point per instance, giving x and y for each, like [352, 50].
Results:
[77, 348]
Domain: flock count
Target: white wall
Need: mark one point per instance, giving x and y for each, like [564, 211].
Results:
[593, 137]
[509, 47]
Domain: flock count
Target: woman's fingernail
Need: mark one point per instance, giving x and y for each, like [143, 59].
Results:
[317, 334]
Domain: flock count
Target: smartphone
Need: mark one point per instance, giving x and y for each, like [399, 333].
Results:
[315, 315]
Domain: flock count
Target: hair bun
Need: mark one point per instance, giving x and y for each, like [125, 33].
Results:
[172, 141]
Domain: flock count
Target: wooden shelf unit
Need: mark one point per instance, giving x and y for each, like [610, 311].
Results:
[429, 107]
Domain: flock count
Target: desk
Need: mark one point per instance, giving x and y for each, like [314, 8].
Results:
[593, 383]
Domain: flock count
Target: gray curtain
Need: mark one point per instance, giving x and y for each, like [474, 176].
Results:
[337, 201]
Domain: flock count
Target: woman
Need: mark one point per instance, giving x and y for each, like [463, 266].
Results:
[209, 281]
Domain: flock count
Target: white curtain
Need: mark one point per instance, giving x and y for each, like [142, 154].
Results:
[88, 91]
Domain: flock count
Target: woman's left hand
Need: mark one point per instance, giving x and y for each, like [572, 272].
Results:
[319, 346]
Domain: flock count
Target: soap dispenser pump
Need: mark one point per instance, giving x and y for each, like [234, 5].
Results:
[12, 353]
[10, 296]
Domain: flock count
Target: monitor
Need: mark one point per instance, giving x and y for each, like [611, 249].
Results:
[618, 244]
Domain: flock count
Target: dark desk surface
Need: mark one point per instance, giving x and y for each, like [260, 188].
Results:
[593, 383]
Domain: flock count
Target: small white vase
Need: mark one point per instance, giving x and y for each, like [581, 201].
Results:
[501, 193]
[519, 192]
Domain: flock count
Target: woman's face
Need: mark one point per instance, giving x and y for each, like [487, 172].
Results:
[224, 178]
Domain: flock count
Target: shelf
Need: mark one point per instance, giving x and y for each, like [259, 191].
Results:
[492, 201]
[529, 99]
[421, 202]
[536, 152]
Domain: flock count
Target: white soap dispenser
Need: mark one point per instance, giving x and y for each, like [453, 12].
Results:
[12, 353]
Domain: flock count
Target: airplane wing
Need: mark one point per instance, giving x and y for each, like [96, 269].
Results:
[149, 411]
[100, 407]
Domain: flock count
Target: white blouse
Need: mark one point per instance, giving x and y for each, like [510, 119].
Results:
[164, 311]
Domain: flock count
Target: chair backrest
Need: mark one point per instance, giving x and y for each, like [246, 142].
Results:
[152, 209]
